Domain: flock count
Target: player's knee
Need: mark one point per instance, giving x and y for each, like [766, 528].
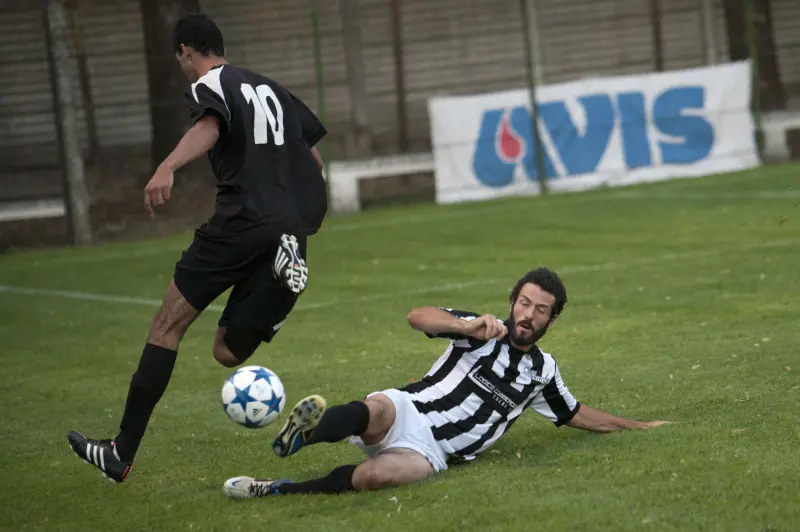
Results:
[381, 416]
[172, 320]
[371, 475]
[233, 346]
[222, 354]
[165, 331]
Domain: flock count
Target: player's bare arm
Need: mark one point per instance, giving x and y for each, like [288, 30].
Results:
[195, 143]
[317, 157]
[596, 420]
[434, 320]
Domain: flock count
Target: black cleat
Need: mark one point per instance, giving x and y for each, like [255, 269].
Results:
[102, 454]
[289, 267]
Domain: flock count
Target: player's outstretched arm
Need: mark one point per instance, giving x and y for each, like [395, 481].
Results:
[595, 420]
[200, 138]
[435, 321]
[196, 142]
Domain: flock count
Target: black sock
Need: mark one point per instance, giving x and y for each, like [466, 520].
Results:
[147, 386]
[341, 421]
[338, 481]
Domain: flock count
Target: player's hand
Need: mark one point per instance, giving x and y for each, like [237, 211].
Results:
[485, 328]
[158, 190]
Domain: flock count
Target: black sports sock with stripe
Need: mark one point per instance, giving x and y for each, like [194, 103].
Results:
[147, 386]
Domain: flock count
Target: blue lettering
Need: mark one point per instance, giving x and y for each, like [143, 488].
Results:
[580, 153]
[633, 123]
[696, 132]
[506, 138]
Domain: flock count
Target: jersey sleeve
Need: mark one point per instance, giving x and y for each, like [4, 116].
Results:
[206, 97]
[313, 130]
[462, 314]
[555, 402]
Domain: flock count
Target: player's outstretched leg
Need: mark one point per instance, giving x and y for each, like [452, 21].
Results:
[339, 480]
[114, 458]
[289, 266]
[393, 467]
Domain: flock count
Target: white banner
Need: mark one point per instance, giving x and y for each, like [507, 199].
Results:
[602, 131]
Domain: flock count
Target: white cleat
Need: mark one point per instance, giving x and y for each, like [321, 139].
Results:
[289, 266]
[251, 488]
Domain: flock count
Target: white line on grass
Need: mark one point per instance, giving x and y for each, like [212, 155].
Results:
[668, 257]
[81, 257]
[87, 296]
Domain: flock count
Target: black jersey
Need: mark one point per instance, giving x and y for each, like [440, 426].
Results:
[266, 174]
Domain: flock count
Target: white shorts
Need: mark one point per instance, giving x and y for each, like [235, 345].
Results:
[408, 432]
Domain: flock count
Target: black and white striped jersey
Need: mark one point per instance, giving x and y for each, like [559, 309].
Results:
[476, 391]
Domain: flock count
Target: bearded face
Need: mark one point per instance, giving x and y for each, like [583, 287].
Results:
[530, 316]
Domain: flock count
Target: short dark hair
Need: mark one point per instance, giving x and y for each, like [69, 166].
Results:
[548, 281]
[198, 31]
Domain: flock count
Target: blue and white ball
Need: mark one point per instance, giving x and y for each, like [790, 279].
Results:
[253, 396]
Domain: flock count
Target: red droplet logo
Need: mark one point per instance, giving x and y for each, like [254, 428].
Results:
[509, 142]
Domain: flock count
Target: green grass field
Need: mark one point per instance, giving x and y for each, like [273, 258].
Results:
[684, 304]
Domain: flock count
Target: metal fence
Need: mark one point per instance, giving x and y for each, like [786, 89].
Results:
[367, 66]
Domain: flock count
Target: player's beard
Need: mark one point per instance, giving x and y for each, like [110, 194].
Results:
[529, 337]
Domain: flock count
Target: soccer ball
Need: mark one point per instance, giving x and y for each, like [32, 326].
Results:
[253, 396]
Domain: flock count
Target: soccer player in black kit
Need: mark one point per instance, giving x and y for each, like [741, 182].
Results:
[270, 198]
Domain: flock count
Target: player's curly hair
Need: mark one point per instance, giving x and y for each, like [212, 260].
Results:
[198, 31]
[548, 281]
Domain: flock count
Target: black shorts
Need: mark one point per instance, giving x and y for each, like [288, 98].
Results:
[213, 263]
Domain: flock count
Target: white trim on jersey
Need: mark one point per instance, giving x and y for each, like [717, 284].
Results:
[212, 81]
[554, 390]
